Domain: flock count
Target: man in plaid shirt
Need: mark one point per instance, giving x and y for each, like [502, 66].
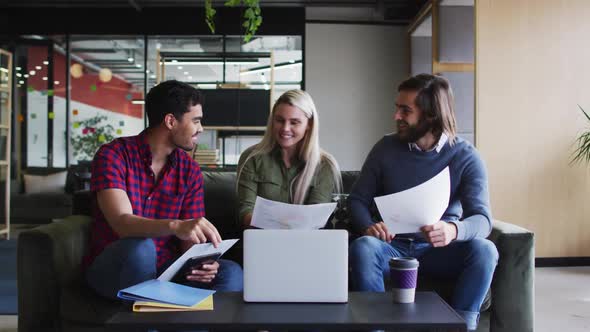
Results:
[150, 200]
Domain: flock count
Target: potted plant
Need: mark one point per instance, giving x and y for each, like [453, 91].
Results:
[582, 152]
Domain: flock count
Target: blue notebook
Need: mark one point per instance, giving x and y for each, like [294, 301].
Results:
[166, 292]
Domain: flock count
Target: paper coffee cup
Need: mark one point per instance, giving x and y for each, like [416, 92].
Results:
[403, 274]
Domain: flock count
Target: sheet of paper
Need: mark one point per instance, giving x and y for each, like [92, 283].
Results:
[408, 210]
[195, 250]
[276, 215]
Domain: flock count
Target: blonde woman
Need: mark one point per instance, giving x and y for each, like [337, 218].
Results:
[288, 165]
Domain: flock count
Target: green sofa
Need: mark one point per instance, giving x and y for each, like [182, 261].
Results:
[53, 297]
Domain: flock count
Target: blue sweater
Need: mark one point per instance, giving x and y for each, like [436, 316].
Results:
[392, 167]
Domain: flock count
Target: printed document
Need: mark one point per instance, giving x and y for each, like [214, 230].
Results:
[407, 211]
[276, 215]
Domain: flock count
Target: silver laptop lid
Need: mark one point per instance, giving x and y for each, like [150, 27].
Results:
[296, 266]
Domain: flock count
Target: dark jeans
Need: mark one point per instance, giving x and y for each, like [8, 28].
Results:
[129, 261]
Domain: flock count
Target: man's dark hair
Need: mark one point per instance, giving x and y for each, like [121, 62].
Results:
[435, 99]
[172, 97]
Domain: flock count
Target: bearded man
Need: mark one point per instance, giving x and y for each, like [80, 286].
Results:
[456, 246]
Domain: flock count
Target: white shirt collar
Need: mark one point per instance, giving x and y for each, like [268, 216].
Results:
[441, 142]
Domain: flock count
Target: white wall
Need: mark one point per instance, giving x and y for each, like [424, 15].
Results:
[352, 72]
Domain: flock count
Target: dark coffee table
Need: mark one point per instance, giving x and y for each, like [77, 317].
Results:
[364, 311]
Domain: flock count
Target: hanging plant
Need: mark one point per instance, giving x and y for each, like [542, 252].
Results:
[252, 16]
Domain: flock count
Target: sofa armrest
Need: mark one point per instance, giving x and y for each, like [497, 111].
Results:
[513, 283]
[48, 257]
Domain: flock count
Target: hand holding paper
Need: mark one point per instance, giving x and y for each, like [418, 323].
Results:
[275, 215]
[407, 211]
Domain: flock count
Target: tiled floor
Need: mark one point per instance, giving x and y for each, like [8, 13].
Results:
[562, 301]
[8, 324]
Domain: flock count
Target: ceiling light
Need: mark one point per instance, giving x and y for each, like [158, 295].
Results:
[38, 67]
[46, 62]
[32, 72]
[138, 101]
[147, 71]
[19, 75]
[18, 68]
[152, 76]
[207, 86]
[21, 82]
[56, 82]
[179, 67]
[4, 69]
[105, 75]
[210, 63]
[190, 78]
[76, 70]
[267, 68]
[26, 75]
[138, 65]
[186, 72]
[130, 59]
[45, 78]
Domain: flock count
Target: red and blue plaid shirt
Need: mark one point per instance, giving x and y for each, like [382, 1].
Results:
[125, 164]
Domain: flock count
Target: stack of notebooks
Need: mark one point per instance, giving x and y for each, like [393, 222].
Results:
[157, 295]
[161, 294]
[206, 157]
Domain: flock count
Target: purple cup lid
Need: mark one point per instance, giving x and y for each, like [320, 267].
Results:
[404, 263]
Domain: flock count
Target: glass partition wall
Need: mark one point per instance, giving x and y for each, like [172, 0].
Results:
[240, 82]
[108, 77]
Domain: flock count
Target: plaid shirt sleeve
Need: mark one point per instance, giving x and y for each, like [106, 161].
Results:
[193, 205]
[108, 169]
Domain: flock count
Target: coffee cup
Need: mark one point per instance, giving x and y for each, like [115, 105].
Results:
[403, 274]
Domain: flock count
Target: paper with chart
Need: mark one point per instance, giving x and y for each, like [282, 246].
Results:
[195, 250]
[408, 210]
[276, 215]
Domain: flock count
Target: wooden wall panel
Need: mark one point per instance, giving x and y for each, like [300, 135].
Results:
[532, 69]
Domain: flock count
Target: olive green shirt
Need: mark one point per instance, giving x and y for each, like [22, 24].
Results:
[267, 176]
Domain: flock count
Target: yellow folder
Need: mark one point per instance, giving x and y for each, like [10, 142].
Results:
[143, 306]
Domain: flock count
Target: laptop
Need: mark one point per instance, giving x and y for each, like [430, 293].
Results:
[295, 266]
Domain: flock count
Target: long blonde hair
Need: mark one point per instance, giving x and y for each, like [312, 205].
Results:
[309, 152]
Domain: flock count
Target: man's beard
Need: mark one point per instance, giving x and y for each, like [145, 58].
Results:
[411, 134]
[188, 148]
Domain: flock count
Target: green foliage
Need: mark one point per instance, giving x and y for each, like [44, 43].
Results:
[252, 16]
[90, 135]
[582, 152]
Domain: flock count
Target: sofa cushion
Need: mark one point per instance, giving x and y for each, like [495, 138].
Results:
[39, 208]
[221, 202]
[348, 180]
[52, 183]
[40, 200]
[78, 303]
